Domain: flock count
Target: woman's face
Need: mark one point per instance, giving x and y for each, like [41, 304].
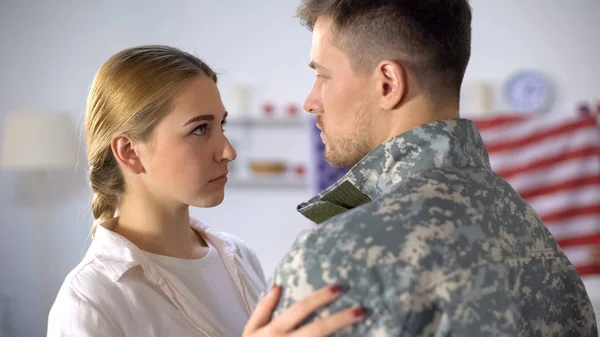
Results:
[185, 160]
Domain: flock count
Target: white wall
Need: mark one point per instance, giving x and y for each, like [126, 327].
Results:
[49, 52]
[558, 38]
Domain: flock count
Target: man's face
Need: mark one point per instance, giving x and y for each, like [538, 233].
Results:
[341, 100]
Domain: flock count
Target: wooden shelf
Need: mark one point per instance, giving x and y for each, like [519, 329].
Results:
[267, 122]
[267, 182]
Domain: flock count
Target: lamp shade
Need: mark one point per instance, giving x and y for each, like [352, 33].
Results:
[38, 142]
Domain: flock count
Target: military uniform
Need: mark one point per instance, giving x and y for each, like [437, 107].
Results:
[431, 242]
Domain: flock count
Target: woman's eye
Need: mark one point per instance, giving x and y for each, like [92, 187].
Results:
[200, 130]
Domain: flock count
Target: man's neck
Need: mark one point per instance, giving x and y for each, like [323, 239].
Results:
[158, 229]
[418, 111]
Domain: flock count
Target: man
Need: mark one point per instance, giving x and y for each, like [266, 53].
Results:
[420, 232]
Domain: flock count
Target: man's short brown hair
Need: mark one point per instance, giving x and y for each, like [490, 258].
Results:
[432, 38]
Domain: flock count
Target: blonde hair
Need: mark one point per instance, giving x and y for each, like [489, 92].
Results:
[130, 95]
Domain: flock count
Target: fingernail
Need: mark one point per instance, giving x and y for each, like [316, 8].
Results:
[335, 289]
[359, 312]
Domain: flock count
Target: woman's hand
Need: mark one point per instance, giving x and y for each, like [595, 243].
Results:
[259, 324]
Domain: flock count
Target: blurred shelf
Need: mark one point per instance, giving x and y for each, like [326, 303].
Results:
[267, 122]
[268, 182]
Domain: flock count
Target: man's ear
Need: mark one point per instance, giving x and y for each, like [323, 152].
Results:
[126, 155]
[391, 84]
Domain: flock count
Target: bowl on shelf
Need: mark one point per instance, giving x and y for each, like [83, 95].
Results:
[262, 167]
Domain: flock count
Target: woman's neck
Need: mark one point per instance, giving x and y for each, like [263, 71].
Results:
[158, 229]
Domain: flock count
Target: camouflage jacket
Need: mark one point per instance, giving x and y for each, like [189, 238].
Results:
[431, 242]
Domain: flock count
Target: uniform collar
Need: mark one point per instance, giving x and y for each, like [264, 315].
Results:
[444, 143]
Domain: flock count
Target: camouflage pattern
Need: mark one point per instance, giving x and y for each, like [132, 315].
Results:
[431, 242]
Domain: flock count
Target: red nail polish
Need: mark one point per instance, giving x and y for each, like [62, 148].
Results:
[359, 312]
[335, 289]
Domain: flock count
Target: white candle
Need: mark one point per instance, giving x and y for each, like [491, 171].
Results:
[482, 98]
[242, 100]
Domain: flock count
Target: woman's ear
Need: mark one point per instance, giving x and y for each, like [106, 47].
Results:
[126, 155]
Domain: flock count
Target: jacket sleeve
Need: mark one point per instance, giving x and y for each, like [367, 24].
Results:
[72, 315]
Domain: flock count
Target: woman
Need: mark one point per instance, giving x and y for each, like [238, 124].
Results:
[155, 142]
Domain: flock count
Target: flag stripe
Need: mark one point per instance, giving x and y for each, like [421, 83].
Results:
[573, 184]
[572, 212]
[575, 227]
[565, 199]
[555, 146]
[589, 269]
[524, 127]
[589, 151]
[550, 133]
[484, 124]
[579, 255]
[581, 240]
[561, 172]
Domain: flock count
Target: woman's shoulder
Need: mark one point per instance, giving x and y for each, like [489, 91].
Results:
[86, 303]
[95, 278]
[86, 282]
[239, 242]
[84, 292]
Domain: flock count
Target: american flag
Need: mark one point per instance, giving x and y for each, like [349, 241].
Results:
[553, 162]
